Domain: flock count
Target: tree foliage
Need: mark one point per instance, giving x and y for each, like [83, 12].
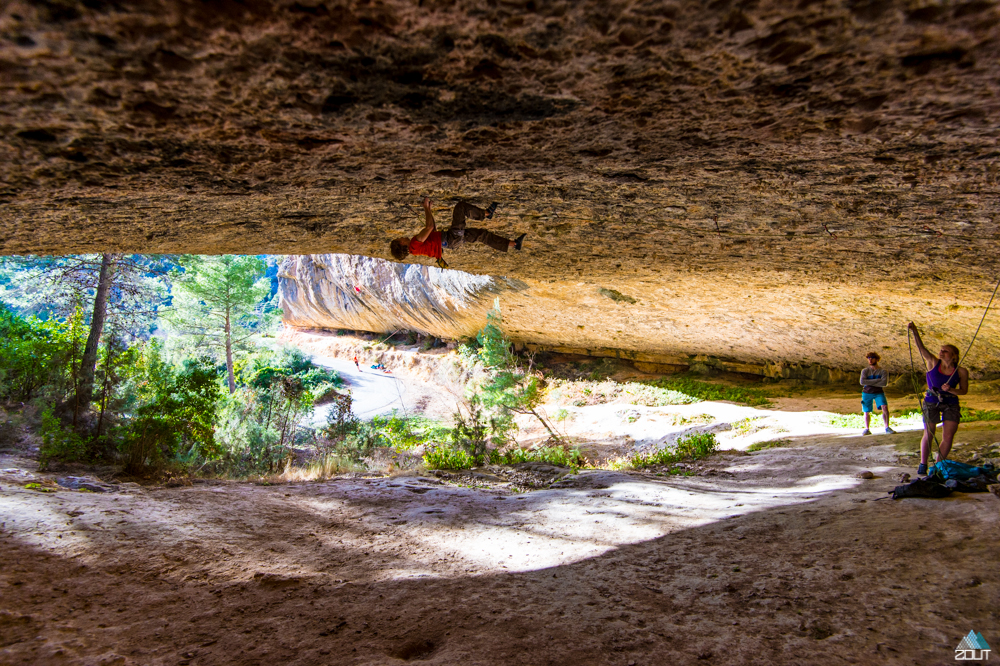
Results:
[506, 387]
[152, 407]
[54, 287]
[120, 291]
[40, 359]
[219, 303]
[169, 411]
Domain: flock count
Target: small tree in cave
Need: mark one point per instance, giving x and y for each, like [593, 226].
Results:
[219, 302]
[506, 388]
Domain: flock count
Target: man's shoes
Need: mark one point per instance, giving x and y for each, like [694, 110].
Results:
[889, 431]
[518, 241]
[921, 469]
[492, 209]
[866, 431]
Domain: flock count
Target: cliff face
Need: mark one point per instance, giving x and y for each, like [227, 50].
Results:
[329, 291]
[767, 180]
[771, 325]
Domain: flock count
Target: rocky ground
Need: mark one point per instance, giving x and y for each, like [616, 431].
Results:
[784, 556]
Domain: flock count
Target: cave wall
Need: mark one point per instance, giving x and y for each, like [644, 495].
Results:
[772, 325]
[768, 180]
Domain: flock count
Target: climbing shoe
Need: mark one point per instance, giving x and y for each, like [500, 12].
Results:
[492, 209]
[921, 469]
[889, 431]
[518, 241]
[441, 263]
[866, 431]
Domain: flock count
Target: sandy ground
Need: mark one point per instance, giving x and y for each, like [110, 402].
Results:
[783, 556]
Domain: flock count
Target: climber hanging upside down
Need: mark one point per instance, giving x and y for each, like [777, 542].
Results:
[430, 242]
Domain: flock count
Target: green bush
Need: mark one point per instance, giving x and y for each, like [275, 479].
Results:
[446, 457]
[173, 412]
[39, 358]
[59, 442]
[503, 388]
[478, 430]
[264, 368]
[553, 455]
[979, 414]
[257, 426]
[705, 391]
[353, 439]
[692, 447]
[407, 432]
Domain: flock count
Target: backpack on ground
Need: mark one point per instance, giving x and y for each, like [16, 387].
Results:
[925, 487]
[952, 469]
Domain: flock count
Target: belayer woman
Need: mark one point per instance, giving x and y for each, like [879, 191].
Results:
[945, 382]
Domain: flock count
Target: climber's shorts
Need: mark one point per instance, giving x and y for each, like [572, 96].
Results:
[867, 398]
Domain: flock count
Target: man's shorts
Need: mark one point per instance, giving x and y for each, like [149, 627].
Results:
[935, 413]
[867, 398]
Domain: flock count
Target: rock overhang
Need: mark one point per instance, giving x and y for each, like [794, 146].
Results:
[836, 161]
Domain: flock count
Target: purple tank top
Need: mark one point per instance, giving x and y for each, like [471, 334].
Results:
[935, 379]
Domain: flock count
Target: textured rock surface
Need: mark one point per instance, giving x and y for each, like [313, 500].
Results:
[768, 324]
[769, 180]
[359, 293]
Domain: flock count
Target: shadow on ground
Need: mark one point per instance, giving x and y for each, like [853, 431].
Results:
[781, 558]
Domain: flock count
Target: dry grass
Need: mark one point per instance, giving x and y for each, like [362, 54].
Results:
[322, 468]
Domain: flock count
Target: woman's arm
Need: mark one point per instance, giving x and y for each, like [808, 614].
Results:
[930, 360]
[963, 384]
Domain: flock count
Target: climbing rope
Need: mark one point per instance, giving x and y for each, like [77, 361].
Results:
[980, 324]
[918, 392]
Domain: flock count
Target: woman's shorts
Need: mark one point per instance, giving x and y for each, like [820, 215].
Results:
[867, 398]
[935, 413]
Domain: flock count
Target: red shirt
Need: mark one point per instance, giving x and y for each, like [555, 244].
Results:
[429, 248]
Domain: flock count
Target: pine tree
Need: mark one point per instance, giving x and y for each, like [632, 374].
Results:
[88, 366]
[122, 289]
[219, 301]
[508, 387]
